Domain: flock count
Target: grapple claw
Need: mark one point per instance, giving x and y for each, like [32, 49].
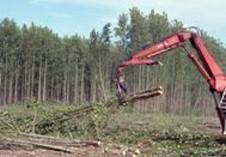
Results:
[122, 88]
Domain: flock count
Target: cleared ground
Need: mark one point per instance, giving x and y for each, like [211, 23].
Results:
[118, 134]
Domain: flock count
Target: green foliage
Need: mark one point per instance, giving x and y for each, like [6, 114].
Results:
[55, 120]
[38, 64]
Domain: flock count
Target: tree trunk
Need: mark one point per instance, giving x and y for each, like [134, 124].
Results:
[76, 85]
[5, 90]
[101, 81]
[82, 85]
[52, 89]
[93, 84]
[44, 81]
[32, 77]
[16, 88]
[58, 89]
[68, 89]
[28, 83]
[5, 83]
[40, 82]
[25, 83]
[10, 97]
[65, 87]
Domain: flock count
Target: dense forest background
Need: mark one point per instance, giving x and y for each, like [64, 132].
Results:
[37, 64]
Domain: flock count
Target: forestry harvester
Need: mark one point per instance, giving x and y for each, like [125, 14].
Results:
[204, 61]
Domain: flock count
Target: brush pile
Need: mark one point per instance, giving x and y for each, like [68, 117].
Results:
[77, 121]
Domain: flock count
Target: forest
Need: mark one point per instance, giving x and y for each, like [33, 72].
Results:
[37, 64]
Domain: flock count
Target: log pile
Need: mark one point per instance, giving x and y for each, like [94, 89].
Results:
[35, 141]
[142, 95]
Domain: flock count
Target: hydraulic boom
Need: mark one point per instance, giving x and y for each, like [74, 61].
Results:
[205, 63]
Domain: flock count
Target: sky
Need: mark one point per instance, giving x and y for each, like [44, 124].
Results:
[68, 17]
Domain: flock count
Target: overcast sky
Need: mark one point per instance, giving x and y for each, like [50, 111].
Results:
[80, 16]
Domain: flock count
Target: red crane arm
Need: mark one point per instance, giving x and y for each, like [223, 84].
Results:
[208, 66]
[205, 63]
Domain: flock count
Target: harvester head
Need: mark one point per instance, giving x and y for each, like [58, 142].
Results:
[124, 96]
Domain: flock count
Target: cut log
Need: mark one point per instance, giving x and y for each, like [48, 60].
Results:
[29, 143]
[142, 95]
